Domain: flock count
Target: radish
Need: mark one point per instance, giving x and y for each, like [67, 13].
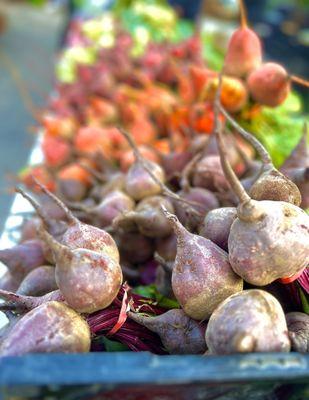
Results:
[249, 321]
[50, 328]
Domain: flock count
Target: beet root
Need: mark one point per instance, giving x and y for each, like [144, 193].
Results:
[51, 328]
[23, 258]
[298, 326]
[167, 247]
[9, 282]
[38, 282]
[249, 321]
[148, 218]
[134, 247]
[208, 174]
[217, 225]
[21, 303]
[270, 245]
[88, 280]
[179, 333]
[205, 201]
[269, 84]
[202, 276]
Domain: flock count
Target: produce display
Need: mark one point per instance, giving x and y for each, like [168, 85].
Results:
[165, 218]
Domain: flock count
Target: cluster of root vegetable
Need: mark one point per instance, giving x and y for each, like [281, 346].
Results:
[212, 223]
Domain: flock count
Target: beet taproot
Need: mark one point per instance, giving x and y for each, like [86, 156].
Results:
[247, 322]
[298, 326]
[38, 282]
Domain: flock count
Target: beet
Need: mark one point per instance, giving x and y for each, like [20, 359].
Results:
[298, 326]
[163, 279]
[9, 282]
[249, 321]
[23, 258]
[89, 280]
[29, 229]
[270, 183]
[208, 174]
[138, 182]
[77, 234]
[244, 51]
[50, 328]
[113, 204]
[202, 276]
[179, 333]
[134, 247]
[269, 239]
[148, 218]
[167, 247]
[217, 224]
[21, 303]
[205, 201]
[71, 189]
[38, 282]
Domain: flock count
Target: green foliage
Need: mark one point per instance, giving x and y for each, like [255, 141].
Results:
[304, 300]
[151, 292]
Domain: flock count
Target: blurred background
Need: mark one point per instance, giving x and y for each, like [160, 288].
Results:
[32, 33]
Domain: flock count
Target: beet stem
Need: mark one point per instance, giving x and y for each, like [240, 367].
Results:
[243, 14]
[299, 80]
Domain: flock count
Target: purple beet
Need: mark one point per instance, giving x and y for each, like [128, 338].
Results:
[21, 303]
[38, 282]
[202, 276]
[147, 218]
[50, 328]
[71, 189]
[249, 321]
[179, 333]
[298, 326]
[205, 201]
[9, 282]
[167, 247]
[134, 247]
[23, 258]
[217, 224]
[208, 174]
[163, 279]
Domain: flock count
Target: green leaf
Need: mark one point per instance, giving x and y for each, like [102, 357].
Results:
[152, 292]
[304, 300]
[112, 346]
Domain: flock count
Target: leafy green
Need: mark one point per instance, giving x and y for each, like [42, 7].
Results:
[304, 300]
[152, 292]
[112, 346]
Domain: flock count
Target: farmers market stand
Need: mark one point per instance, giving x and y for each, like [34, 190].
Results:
[130, 376]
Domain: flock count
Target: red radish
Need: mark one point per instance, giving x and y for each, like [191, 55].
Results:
[134, 247]
[147, 217]
[205, 201]
[38, 282]
[298, 326]
[179, 333]
[78, 234]
[23, 258]
[21, 303]
[244, 52]
[270, 184]
[202, 276]
[50, 328]
[89, 280]
[257, 243]
[217, 225]
[270, 84]
[249, 321]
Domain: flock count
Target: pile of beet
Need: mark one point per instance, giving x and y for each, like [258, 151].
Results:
[202, 248]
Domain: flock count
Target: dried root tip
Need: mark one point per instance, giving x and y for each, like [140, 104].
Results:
[69, 215]
[263, 153]
[300, 81]
[38, 209]
[226, 166]
[178, 228]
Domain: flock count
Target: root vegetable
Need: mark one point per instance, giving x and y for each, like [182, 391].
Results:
[179, 333]
[134, 247]
[21, 303]
[202, 276]
[38, 282]
[298, 326]
[50, 328]
[249, 321]
[217, 225]
[88, 280]
[167, 247]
